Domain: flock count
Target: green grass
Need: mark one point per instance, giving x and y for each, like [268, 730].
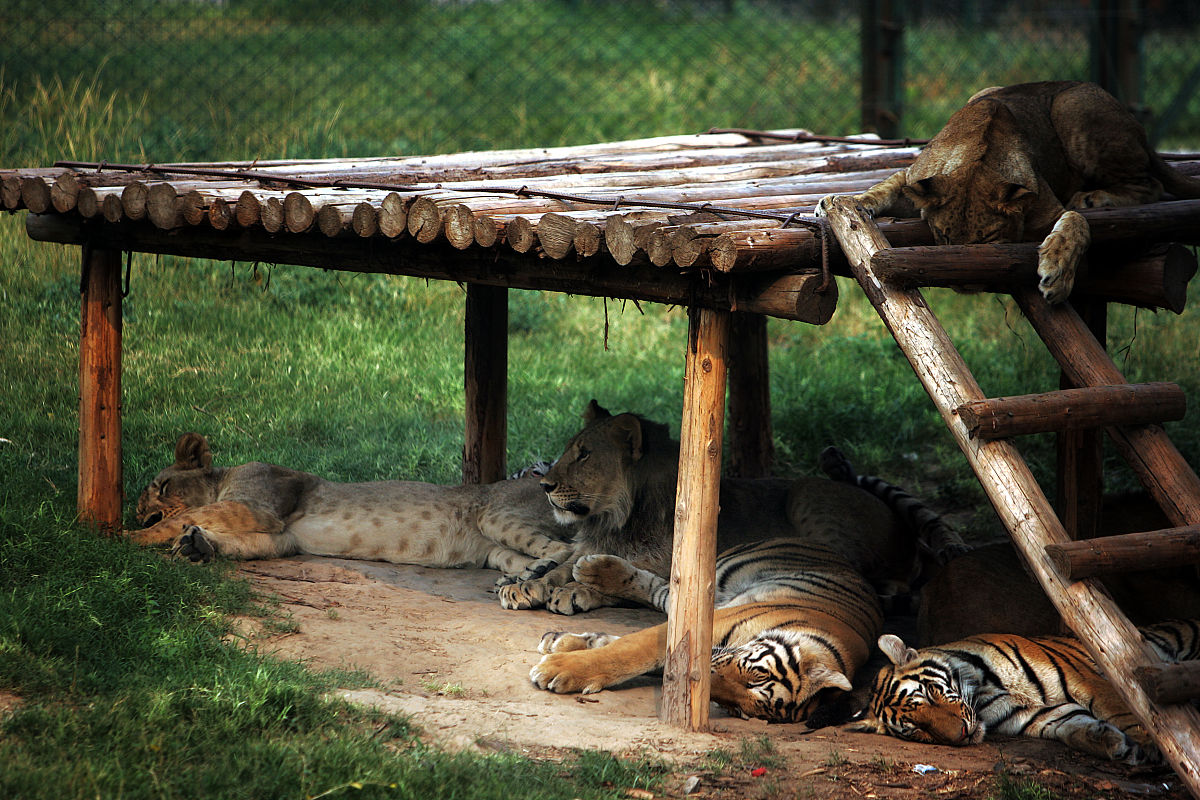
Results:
[131, 681]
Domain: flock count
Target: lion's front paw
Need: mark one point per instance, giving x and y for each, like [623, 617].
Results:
[537, 569]
[563, 642]
[194, 545]
[524, 595]
[575, 598]
[604, 573]
[566, 673]
[1059, 255]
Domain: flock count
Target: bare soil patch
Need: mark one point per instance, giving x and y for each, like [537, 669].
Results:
[458, 665]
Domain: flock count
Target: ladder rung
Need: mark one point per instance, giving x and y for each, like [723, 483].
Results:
[1173, 547]
[1073, 409]
[1171, 683]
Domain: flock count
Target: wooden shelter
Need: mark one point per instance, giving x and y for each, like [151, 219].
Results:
[721, 223]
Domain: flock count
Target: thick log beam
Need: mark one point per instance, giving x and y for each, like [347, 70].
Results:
[794, 296]
[1171, 683]
[1175, 547]
[100, 490]
[485, 368]
[1108, 635]
[688, 664]
[1154, 279]
[1073, 409]
[751, 450]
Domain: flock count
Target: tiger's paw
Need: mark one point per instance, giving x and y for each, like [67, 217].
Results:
[563, 642]
[524, 595]
[194, 545]
[566, 673]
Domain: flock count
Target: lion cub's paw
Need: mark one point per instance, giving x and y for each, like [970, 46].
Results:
[604, 573]
[533, 570]
[564, 673]
[524, 595]
[1097, 198]
[563, 642]
[1059, 255]
[194, 545]
[575, 598]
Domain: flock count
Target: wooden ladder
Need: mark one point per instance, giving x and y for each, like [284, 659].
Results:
[1154, 691]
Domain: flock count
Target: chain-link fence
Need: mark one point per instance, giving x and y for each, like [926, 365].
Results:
[214, 79]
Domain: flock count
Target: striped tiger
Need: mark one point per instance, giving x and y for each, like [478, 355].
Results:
[1044, 687]
[794, 619]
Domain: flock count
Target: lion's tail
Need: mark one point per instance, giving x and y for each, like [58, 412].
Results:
[1177, 184]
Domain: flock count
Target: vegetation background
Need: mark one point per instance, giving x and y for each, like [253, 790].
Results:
[119, 668]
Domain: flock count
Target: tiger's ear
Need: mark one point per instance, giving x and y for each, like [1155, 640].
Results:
[627, 431]
[595, 411]
[822, 677]
[896, 650]
[192, 452]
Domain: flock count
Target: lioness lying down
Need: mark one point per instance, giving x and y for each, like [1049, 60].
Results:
[259, 510]
[1009, 165]
[615, 482]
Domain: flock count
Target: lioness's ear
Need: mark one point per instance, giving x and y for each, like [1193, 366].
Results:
[1013, 198]
[627, 428]
[896, 650]
[595, 411]
[192, 452]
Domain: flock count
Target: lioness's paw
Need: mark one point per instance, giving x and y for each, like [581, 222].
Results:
[1097, 198]
[523, 595]
[194, 545]
[563, 673]
[563, 642]
[575, 598]
[537, 569]
[1059, 255]
[604, 573]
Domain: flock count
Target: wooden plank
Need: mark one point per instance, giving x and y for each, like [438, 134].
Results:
[485, 368]
[1171, 683]
[1073, 409]
[1090, 612]
[101, 489]
[688, 664]
[1127, 552]
[751, 450]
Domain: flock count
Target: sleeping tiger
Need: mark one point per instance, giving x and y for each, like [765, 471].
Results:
[1044, 687]
[794, 622]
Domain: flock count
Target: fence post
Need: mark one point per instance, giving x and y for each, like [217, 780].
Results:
[1116, 52]
[882, 39]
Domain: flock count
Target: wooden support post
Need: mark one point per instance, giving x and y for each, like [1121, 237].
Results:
[750, 447]
[485, 368]
[688, 664]
[1108, 635]
[882, 39]
[1127, 552]
[1079, 488]
[101, 489]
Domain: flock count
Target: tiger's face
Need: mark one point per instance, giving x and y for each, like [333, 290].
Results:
[592, 476]
[773, 677]
[920, 698]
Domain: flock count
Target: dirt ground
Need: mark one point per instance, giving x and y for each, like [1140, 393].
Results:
[458, 665]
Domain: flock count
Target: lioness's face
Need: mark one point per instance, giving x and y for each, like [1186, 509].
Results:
[591, 476]
[971, 209]
[173, 490]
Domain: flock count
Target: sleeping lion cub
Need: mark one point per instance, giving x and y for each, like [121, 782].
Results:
[1010, 164]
